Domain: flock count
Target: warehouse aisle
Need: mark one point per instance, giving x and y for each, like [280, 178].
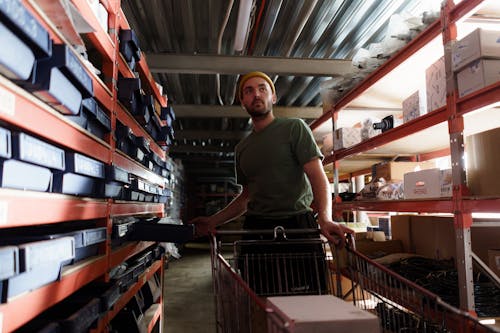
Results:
[188, 295]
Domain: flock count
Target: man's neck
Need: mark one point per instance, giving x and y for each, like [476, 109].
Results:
[260, 123]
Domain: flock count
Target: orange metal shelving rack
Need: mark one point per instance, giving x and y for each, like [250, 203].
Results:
[26, 208]
[460, 204]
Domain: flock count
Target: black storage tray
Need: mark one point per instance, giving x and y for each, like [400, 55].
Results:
[129, 54]
[9, 259]
[74, 184]
[68, 63]
[109, 294]
[90, 106]
[162, 232]
[128, 87]
[128, 36]
[83, 165]
[39, 264]
[5, 143]
[112, 189]
[143, 143]
[53, 87]
[114, 173]
[25, 176]
[17, 60]
[79, 119]
[130, 319]
[126, 279]
[121, 231]
[81, 320]
[151, 291]
[40, 325]
[26, 27]
[30, 149]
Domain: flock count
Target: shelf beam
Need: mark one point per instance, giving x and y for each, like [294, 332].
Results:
[23, 308]
[27, 208]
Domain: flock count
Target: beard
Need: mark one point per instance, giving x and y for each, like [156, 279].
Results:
[258, 111]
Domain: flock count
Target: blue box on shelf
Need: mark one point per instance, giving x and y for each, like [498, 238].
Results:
[117, 174]
[53, 87]
[99, 125]
[86, 241]
[17, 60]
[129, 44]
[5, 143]
[75, 184]
[83, 165]
[33, 150]
[39, 264]
[68, 63]
[25, 176]
[20, 21]
[9, 257]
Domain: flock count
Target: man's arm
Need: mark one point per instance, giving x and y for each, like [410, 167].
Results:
[323, 201]
[236, 208]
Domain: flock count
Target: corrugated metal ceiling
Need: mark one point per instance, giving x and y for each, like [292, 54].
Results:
[320, 29]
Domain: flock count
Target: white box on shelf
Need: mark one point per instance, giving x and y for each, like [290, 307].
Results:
[346, 137]
[480, 43]
[435, 85]
[414, 106]
[477, 75]
[323, 313]
[430, 183]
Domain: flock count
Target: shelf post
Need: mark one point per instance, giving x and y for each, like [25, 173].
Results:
[462, 219]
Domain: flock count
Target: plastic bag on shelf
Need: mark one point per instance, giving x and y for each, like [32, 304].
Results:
[391, 191]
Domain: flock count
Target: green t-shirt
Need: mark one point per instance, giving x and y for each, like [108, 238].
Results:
[270, 163]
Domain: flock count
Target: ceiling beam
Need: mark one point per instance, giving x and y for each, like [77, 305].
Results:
[207, 134]
[221, 64]
[236, 111]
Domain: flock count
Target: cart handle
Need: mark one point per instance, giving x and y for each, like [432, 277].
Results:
[274, 231]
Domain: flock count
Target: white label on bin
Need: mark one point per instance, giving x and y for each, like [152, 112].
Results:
[7, 102]
[3, 214]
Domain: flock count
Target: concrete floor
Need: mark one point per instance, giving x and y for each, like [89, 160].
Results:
[188, 294]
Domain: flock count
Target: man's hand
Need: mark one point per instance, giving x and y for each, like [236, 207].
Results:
[203, 225]
[335, 233]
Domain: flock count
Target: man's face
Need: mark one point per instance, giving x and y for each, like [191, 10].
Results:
[257, 97]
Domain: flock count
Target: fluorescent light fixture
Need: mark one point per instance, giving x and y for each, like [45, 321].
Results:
[242, 24]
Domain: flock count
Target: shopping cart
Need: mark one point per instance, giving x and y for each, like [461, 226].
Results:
[246, 272]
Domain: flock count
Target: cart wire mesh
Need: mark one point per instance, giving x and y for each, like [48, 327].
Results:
[400, 304]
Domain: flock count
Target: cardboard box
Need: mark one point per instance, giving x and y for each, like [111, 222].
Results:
[483, 163]
[434, 236]
[478, 44]
[435, 85]
[431, 183]
[322, 313]
[414, 106]
[494, 260]
[477, 75]
[397, 170]
[346, 137]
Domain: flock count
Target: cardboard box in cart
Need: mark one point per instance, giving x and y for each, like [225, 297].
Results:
[322, 314]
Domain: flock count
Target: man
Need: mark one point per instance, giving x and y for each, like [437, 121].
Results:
[279, 166]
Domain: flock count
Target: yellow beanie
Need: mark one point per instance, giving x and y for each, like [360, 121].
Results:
[250, 75]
